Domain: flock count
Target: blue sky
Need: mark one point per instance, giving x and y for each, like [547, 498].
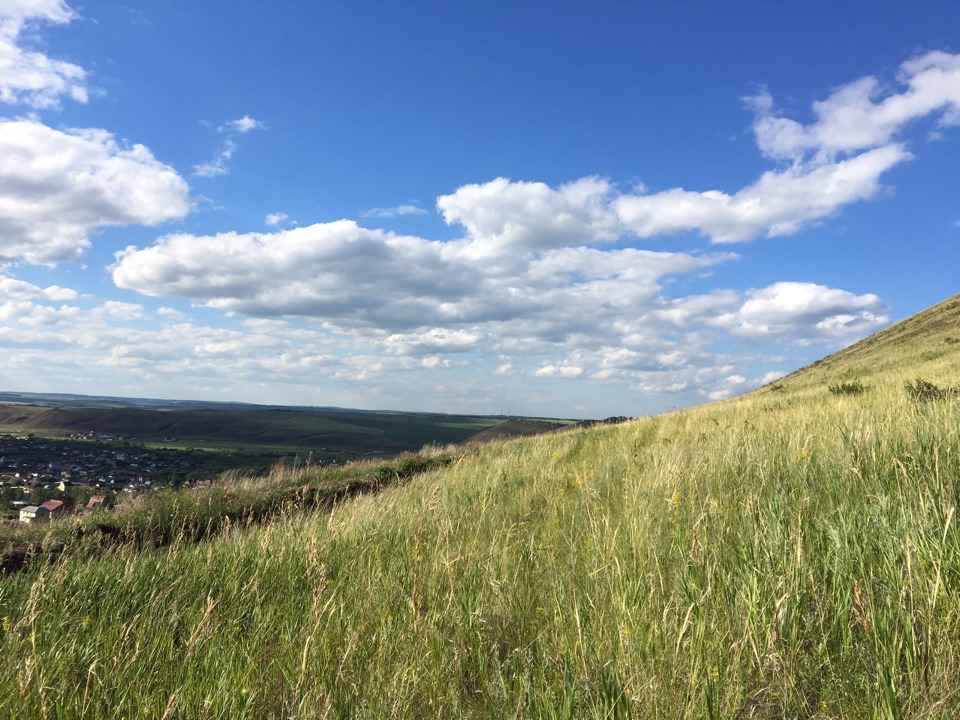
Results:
[541, 208]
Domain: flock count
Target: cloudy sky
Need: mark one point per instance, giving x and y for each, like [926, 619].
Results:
[551, 208]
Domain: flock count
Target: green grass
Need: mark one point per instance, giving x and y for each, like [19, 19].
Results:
[788, 554]
[350, 432]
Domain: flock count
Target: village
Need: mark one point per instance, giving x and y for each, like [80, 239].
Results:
[42, 479]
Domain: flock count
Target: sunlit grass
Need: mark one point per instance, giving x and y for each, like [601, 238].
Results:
[787, 554]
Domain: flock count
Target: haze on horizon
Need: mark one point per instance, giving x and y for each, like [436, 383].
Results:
[575, 210]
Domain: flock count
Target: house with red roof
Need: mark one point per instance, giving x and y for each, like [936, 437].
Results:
[59, 508]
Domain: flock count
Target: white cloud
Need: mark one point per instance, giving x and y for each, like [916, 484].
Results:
[52, 10]
[242, 125]
[779, 203]
[563, 312]
[57, 293]
[355, 277]
[731, 385]
[232, 129]
[122, 311]
[435, 361]
[805, 313]
[392, 212]
[859, 115]
[57, 187]
[497, 359]
[503, 216]
[31, 78]
[334, 270]
[166, 346]
[432, 341]
[835, 161]
[276, 219]
[544, 282]
[19, 290]
[30, 314]
[564, 371]
[218, 166]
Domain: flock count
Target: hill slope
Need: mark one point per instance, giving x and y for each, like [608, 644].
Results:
[789, 553]
[928, 342]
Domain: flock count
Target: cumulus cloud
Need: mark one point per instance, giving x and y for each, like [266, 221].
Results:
[13, 289]
[96, 342]
[433, 341]
[126, 347]
[543, 305]
[860, 115]
[56, 187]
[778, 203]
[392, 212]
[835, 161]
[122, 311]
[805, 313]
[357, 277]
[334, 270]
[503, 216]
[232, 129]
[545, 282]
[28, 77]
[564, 371]
[30, 314]
[598, 315]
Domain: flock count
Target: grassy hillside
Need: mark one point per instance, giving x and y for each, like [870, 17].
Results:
[790, 553]
[928, 342]
[520, 427]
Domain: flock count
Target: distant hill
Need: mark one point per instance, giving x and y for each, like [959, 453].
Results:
[351, 431]
[301, 427]
[107, 401]
[519, 427]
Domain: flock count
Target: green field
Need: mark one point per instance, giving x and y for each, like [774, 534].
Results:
[341, 434]
[793, 553]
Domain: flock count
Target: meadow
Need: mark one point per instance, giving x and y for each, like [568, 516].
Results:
[790, 553]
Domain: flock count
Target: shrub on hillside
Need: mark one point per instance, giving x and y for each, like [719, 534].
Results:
[847, 387]
[925, 391]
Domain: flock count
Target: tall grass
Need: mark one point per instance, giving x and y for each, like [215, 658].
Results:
[783, 555]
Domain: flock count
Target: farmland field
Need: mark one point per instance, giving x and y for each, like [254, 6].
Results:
[328, 433]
